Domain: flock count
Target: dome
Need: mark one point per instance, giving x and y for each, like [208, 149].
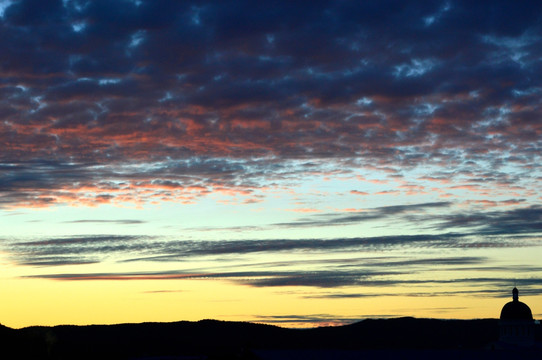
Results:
[515, 309]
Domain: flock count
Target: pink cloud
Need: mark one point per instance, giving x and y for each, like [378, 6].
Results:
[388, 192]
[357, 192]
[304, 210]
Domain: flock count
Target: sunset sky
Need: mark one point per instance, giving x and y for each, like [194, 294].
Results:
[298, 163]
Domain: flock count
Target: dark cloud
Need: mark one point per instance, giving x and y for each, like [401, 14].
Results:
[329, 279]
[74, 250]
[321, 279]
[80, 240]
[254, 85]
[120, 222]
[55, 260]
[164, 249]
[498, 293]
[379, 213]
[485, 229]
[524, 220]
[162, 291]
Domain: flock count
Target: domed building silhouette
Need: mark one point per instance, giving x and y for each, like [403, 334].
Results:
[516, 324]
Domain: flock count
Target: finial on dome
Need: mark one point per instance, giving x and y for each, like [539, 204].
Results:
[515, 294]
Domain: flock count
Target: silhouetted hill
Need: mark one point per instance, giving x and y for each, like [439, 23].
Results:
[236, 340]
[414, 333]
[22, 344]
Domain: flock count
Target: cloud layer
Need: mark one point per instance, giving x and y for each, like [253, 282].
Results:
[129, 101]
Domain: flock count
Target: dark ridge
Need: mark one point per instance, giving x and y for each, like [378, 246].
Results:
[212, 339]
[22, 344]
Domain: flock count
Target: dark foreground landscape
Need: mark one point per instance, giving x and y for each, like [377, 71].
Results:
[210, 339]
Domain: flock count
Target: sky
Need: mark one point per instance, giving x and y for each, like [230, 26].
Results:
[298, 163]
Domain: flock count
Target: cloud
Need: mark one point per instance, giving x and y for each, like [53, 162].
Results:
[55, 261]
[515, 221]
[46, 183]
[378, 213]
[521, 220]
[162, 291]
[170, 249]
[322, 281]
[321, 319]
[232, 96]
[316, 263]
[120, 222]
[73, 250]
[497, 293]
[509, 228]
